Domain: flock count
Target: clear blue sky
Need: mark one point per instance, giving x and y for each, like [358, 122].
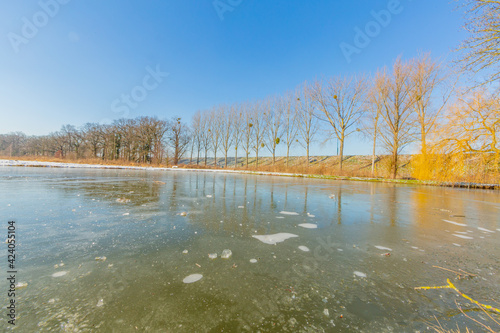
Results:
[83, 56]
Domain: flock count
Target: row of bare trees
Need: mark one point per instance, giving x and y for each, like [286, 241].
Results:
[140, 140]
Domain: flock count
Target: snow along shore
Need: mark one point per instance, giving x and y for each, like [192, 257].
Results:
[21, 163]
[99, 166]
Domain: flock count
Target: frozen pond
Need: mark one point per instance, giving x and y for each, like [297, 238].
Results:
[128, 251]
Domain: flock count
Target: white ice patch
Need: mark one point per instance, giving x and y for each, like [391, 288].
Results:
[311, 215]
[192, 278]
[288, 213]
[457, 244]
[455, 223]
[280, 217]
[253, 261]
[274, 238]
[308, 225]
[59, 274]
[462, 236]
[383, 248]
[485, 230]
[241, 207]
[304, 248]
[360, 274]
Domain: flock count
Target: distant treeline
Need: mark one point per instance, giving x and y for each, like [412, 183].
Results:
[414, 102]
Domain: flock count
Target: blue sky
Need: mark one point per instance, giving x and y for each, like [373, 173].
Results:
[83, 56]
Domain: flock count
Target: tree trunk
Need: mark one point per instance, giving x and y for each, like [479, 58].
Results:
[395, 162]
[235, 157]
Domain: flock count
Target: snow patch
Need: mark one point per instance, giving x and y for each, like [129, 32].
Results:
[192, 278]
[485, 230]
[304, 248]
[455, 223]
[288, 213]
[462, 236]
[308, 225]
[59, 274]
[383, 248]
[274, 238]
[360, 274]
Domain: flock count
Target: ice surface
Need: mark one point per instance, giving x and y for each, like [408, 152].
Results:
[192, 278]
[308, 225]
[304, 248]
[274, 238]
[455, 223]
[383, 248]
[288, 213]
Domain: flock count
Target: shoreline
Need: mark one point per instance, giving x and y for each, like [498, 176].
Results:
[25, 163]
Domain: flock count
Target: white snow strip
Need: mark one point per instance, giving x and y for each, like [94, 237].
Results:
[308, 225]
[360, 274]
[383, 248]
[192, 278]
[311, 215]
[457, 244]
[59, 274]
[462, 236]
[304, 248]
[486, 230]
[280, 217]
[288, 213]
[274, 238]
[455, 223]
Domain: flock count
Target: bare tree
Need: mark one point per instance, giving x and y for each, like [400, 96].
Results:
[197, 141]
[215, 131]
[205, 134]
[340, 103]
[259, 127]
[238, 129]
[307, 122]
[178, 137]
[397, 127]
[274, 111]
[481, 50]
[290, 122]
[428, 77]
[226, 117]
[246, 111]
[374, 109]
